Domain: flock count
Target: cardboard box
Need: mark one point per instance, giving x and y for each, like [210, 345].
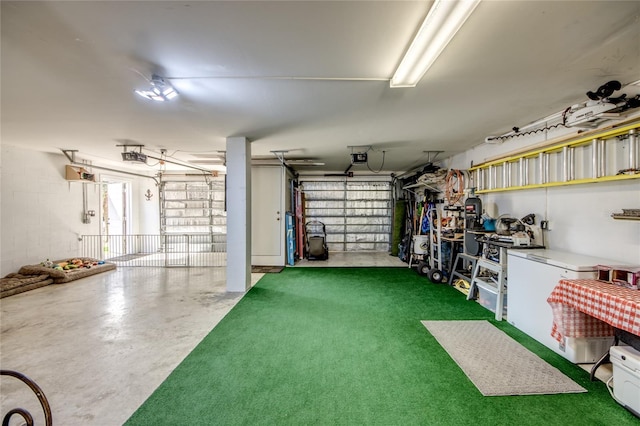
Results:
[624, 275]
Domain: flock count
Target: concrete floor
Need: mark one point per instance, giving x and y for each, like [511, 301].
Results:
[99, 346]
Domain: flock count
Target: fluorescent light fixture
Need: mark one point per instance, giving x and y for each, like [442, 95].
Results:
[303, 162]
[211, 161]
[159, 91]
[443, 21]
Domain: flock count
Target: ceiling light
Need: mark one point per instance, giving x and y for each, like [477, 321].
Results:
[211, 161]
[160, 90]
[443, 21]
[304, 162]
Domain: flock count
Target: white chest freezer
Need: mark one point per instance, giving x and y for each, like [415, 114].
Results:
[532, 276]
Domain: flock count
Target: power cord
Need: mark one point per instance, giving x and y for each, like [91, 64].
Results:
[454, 179]
[381, 166]
[517, 133]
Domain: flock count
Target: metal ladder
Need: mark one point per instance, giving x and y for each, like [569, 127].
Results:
[556, 165]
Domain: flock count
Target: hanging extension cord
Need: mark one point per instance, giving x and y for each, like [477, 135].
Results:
[610, 389]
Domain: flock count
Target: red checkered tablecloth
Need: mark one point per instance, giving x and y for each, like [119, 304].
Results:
[591, 308]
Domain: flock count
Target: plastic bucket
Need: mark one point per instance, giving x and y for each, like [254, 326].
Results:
[420, 244]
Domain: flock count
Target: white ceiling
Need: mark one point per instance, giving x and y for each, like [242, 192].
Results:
[69, 70]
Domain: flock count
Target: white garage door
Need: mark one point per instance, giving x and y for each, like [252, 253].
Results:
[357, 214]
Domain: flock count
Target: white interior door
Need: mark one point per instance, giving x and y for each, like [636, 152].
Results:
[267, 216]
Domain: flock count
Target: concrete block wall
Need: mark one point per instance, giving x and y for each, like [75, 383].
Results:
[41, 212]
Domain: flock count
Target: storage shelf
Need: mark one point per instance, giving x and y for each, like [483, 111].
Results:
[624, 217]
[431, 185]
[78, 174]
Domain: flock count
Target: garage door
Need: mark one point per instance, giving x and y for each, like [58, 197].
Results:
[357, 214]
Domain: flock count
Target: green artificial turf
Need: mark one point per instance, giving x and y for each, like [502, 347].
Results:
[345, 346]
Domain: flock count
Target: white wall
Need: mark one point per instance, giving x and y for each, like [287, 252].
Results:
[146, 214]
[41, 212]
[579, 215]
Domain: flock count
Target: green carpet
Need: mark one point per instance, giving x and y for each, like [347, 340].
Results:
[345, 346]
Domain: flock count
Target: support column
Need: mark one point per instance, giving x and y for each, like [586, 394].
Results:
[238, 214]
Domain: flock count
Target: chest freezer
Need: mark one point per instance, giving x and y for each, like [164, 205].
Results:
[532, 276]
